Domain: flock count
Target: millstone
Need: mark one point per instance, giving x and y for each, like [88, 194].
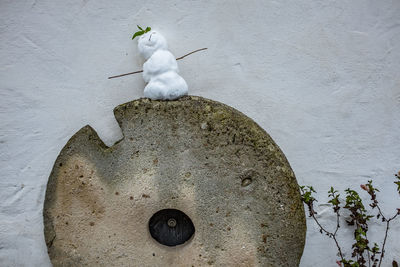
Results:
[192, 183]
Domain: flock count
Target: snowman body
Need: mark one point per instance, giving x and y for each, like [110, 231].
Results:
[160, 70]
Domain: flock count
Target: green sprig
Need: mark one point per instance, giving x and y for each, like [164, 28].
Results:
[141, 31]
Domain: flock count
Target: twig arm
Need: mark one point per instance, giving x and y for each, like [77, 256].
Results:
[139, 71]
[198, 50]
[125, 74]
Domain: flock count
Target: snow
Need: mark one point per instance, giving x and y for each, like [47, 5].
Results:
[160, 70]
[150, 42]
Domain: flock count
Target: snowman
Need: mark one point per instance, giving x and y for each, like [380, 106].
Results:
[160, 71]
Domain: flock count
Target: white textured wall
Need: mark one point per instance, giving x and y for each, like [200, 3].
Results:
[322, 77]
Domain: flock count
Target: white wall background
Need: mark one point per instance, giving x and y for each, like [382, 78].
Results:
[321, 76]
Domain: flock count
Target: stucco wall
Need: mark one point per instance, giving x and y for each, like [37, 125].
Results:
[322, 77]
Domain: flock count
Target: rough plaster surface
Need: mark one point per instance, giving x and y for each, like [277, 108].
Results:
[195, 155]
[320, 76]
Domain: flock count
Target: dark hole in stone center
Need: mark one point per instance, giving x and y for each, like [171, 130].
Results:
[171, 227]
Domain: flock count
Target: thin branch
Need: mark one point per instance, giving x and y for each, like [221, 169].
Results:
[330, 234]
[380, 212]
[394, 217]
[198, 50]
[139, 71]
[340, 251]
[125, 74]
[384, 240]
[368, 254]
[334, 234]
[337, 223]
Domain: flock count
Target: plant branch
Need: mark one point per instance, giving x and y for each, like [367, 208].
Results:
[337, 223]
[358, 218]
[333, 235]
[386, 233]
[384, 242]
[139, 71]
[368, 254]
[380, 212]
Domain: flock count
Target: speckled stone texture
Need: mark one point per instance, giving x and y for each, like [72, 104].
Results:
[195, 155]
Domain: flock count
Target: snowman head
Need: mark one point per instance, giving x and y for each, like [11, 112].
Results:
[150, 42]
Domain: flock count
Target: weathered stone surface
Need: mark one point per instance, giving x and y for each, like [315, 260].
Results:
[195, 155]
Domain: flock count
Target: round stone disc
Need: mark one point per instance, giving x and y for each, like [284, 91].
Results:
[193, 155]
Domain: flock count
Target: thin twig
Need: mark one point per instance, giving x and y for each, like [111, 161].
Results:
[337, 222]
[334, 234]
[386, 232]
[201, 49]
[368, 254]
[139, 71]
[358, 253]
[384, 242]
[125, 74]
[330, 235]
[380, 211]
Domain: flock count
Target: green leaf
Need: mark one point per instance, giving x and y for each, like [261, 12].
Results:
[141, 32]
[334, 201]
[137, 34]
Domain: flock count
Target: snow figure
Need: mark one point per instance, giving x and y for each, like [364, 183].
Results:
[160, 70]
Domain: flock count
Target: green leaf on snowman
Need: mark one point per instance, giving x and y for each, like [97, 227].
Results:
[141, 31]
